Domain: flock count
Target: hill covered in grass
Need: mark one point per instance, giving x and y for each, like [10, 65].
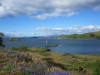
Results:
[90, 35]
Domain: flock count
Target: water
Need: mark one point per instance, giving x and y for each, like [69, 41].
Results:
[65, 46]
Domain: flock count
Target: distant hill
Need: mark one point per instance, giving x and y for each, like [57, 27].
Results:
[34, 37]
[90, 35]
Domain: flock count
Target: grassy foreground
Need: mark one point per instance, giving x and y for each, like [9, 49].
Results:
[40, 61]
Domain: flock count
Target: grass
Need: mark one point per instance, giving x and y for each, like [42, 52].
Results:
[23, 62]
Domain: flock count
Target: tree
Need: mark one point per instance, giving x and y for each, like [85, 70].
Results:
[1, 34]
[1, 41]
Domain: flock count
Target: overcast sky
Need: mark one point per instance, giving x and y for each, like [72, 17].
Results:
[48, 17]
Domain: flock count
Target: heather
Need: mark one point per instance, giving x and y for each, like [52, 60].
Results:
[30, 62]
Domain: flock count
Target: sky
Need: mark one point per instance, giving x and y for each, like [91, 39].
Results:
[19, 18]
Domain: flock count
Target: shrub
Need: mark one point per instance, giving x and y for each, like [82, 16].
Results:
[13, 48]
[22, 48]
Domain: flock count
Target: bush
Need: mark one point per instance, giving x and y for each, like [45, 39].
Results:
[13, 48]
[22, 48]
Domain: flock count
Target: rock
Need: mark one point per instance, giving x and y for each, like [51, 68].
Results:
[47, 50]
[52, 45]
[79, 69]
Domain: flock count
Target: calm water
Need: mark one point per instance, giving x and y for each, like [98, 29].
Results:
[65, 46]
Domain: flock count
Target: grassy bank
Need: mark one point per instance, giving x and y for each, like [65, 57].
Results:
[40, 61]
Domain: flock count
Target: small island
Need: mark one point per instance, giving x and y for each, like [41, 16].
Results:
[14, 39]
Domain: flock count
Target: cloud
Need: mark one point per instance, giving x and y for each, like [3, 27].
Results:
[71, 30]
[18, 34]
[44, 31]
[42, 9]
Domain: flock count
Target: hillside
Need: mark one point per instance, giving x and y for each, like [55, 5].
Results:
[90, 35]
[38, 61]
